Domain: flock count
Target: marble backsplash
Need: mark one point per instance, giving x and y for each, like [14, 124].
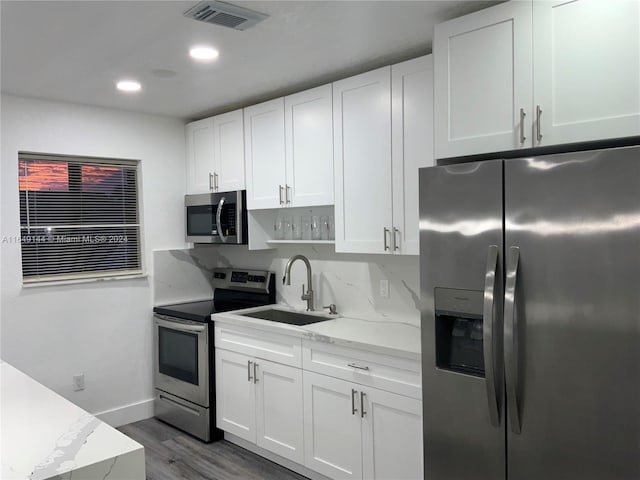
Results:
[351, 281]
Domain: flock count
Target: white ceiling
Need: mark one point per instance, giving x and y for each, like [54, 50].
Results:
[75, 51]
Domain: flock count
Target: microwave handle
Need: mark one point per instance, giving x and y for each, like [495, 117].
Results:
[218, 220]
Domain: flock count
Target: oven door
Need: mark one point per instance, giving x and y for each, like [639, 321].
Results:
[181, 360]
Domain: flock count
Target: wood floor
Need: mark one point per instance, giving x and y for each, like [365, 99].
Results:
[174, 455]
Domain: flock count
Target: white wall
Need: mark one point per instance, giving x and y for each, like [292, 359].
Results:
[100, 329]
[350, 281]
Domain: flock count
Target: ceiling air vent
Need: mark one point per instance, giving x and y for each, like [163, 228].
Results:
[225, 14]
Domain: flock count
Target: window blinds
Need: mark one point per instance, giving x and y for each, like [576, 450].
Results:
[79, 217]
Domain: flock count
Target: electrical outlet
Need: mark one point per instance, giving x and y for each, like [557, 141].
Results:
[78, 382]
[384, 288]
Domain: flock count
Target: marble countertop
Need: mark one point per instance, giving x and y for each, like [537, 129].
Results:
[388, 337]
[44, 436]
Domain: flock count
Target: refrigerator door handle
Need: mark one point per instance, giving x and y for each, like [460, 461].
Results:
[489, 321]
[511, 339]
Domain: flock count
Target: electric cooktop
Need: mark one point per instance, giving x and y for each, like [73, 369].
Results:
[234, 289]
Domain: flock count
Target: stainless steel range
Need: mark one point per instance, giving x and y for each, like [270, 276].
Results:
[184, 354]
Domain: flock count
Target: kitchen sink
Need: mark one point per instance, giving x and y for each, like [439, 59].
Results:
[283, 316]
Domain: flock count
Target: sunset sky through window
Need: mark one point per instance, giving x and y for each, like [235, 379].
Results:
[43, 176]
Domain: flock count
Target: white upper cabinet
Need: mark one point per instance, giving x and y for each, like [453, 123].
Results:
[200, 162]
[362, 155]
[530, 74]
[289, 151]
[483, 77]
[586, 59]
[309, 147]
[228, 151]
[383, 123]
[412, 145]
[265, 154]
[215, 154]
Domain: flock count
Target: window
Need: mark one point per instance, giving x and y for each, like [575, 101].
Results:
[79, 217]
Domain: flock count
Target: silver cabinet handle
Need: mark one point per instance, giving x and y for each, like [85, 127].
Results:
[362, 412]
[255, 372]
[249, 362]
[280, 188]
[511, 339]
[396, 236]
[218, 220]
[522, 115]
[210, 181]
[215, 181]
[359, 367]
[287, 190]
[354, 409]
[538, 123]
[489, 330]
[384, 233]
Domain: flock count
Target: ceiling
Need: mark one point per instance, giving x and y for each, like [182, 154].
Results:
[76, 51]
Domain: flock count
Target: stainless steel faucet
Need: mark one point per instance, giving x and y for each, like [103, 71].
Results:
[287, 279]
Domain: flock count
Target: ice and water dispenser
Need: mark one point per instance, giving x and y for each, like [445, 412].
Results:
[459, 330]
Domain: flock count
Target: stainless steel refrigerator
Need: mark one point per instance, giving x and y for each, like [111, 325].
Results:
[530, 283]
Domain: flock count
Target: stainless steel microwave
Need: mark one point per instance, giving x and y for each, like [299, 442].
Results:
[216, 217]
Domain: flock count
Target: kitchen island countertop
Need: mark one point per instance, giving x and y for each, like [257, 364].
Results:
[44, 436]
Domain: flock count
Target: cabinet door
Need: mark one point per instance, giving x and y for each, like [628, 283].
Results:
[391, 436]
[228, 152]
[412, 142]
[279, 409]
[362, 153]
[235, 395]
[332, 427]
[264, 154]
[200, 156]
[587, 70]
[483, 77]
[309, 147]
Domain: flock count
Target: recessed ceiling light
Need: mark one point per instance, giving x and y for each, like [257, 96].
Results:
[128, 86]
[204, 53]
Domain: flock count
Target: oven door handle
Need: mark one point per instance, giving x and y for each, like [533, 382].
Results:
[218, 220]
[175, 324]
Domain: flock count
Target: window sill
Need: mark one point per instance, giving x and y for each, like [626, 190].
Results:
[52, 283]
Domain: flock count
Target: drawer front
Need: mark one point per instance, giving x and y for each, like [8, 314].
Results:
[182, 414]
[386, 372]
[260, 344]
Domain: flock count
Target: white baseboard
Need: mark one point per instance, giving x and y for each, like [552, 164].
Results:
[126, 414]
[296, 467]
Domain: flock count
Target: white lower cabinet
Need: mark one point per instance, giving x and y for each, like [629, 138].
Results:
[261, 402]
[357, 432]
[332, 427]
[336, 415]
[235, 397]
[391, 436]
[279, 426]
